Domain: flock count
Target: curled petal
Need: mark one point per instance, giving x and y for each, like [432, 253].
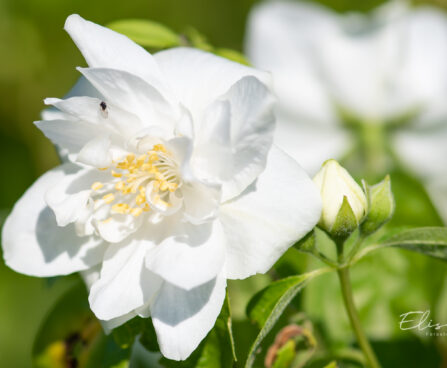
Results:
[270, 216]
[182, 318]
[34, 244]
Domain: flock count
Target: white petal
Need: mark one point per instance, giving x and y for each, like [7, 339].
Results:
[188, 255]
[130, 93]
[423, 55]
[124, 283]
[89, 109]
[183, 318]
[92, 275]
[68, 197]
[423, 151]
[201, 201]
[282, 37]
[310, 143]
[199, 78]
[271, 215]
[235, 137]
[118, 226]
[96, 153]
[69, 135]
[82, 88]
[32, 242]
[104, 48]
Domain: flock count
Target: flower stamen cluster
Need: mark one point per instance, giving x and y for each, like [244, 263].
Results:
[154, 173]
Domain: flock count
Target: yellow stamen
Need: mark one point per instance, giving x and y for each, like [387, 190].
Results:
[120, 185]
[97, 185]
[120, 208]
[136, 211]
[116, 174]
[130, 157]
[108, 198]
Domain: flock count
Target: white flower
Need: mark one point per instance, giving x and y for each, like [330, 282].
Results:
[378, 67]
[335, 186]
[169, 187]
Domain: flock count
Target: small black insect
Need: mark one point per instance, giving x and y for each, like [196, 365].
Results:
[104, 111]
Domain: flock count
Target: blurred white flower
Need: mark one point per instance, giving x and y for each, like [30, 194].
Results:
[336, 185]
[169, 186]
[380, 68]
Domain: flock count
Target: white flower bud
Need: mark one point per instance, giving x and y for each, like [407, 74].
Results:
[344, 202]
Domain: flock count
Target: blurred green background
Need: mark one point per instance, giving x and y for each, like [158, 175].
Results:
[38, 60]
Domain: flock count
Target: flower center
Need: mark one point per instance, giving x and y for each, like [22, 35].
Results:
[139, 182]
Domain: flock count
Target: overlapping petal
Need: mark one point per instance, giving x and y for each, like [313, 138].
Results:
[259, 225]
[124, 283]
[235, 137]
[34, 244]
[182, 318]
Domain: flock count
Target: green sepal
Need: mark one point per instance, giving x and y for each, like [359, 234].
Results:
[307, 243]
[345, 222]
[381, 206]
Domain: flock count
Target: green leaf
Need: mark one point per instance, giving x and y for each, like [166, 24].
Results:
[331, 365]
[146, 33]
[72, 336]
[431, 241]
[285, 355]
[267, 305]
[216, 350]
[413, 205]
[196, 39]
[232, 55]
[124, 335]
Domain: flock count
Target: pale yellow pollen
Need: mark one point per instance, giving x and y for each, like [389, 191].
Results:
[108, 198]
[120, 208]
[97, 185]
[160, 147]
[136, 172]
[106, 220]
[130, 157]
[140, 199]
[120, 186]
[136, 211]
[158, 200]
[116, 174]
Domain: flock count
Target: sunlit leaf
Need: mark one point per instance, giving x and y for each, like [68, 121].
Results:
[232, 55]
[266, 306]
[431, 241]
[146, 33]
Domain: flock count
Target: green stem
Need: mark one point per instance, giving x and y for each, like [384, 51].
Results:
[343, 274]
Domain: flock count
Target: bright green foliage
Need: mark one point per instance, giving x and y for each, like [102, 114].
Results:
[146, 33]
[266, 306]
[285, 355]
[431, 241]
